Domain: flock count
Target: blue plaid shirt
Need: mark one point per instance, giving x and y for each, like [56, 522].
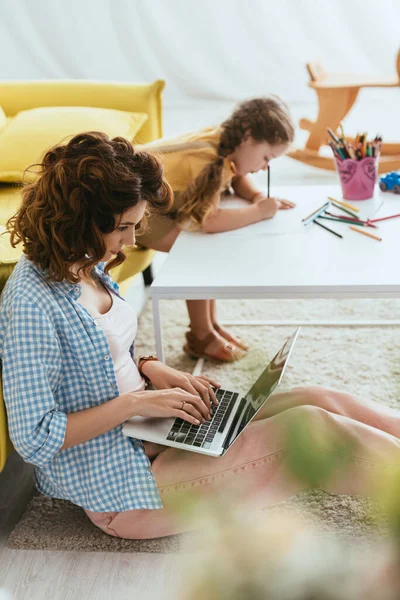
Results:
[55, 361]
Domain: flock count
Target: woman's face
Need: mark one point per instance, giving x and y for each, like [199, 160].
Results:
[252, 156]
[124, 233]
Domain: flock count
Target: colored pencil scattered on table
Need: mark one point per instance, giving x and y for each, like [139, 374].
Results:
[345, 210]
[328, 229]
[343, 203]
[384, 218]
[340, 220]
[371, 235]
[323, 213]
[315, 211]
[352, 220]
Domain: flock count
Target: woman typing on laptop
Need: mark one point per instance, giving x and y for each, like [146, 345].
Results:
[70, 381]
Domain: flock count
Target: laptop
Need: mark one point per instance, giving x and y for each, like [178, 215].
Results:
[229, 419]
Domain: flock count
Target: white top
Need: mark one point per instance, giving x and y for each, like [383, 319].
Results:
[282, 258]
[120, 326]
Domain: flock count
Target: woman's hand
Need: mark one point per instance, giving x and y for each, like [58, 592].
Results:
[174, 402]
[268, 207]
[164, 377]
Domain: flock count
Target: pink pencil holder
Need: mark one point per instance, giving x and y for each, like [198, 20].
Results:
[358, 177]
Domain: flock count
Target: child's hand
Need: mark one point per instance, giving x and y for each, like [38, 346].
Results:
[285, 204]
[269, 206]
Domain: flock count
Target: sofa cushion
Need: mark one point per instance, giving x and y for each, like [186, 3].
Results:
[10, 199]
[5, 443]
[9, 256]
[25, 137]
[3, 119]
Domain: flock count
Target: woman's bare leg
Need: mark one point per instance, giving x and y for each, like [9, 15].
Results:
[368, 412]
[256, 471]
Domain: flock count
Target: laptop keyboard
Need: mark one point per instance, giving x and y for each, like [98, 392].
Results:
[204, 434]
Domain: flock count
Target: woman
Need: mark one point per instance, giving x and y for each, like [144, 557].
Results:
[200, 166]
[70, 381]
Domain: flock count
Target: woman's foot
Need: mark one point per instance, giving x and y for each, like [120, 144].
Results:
[230, 337]
[212, 346]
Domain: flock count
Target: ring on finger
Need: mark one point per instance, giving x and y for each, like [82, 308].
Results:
[183, 404]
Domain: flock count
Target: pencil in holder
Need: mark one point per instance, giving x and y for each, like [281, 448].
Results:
[358, 177]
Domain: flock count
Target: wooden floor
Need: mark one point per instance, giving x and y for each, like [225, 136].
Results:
[38, 574]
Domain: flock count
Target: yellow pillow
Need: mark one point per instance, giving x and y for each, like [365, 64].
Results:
[26, 137]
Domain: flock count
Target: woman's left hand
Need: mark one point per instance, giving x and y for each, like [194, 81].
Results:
[282, 204]
[163, 377]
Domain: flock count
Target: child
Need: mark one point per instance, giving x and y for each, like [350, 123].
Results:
[200, 166]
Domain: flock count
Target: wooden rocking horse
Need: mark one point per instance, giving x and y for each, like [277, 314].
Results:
[336, 96]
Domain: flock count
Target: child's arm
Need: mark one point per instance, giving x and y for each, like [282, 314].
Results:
[243, 187]
[227, 219]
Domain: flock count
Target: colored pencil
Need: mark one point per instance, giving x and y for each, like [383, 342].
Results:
[315, 212]
[339, 220]
[353, 220]
[269, 177]
[350, 206]
[333, 136]
[327, 228]
[371, 235]
[384, 218]
[345, 210]
[357, 149]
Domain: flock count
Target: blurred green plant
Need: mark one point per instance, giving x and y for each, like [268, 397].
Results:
[243, 554]
[314, 457]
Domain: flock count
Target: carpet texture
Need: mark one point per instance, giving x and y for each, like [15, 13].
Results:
[360, 360]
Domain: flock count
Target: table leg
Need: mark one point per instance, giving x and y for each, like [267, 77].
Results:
[157, 328]
[198, 369]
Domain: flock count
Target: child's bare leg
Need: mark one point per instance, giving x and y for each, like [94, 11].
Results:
[223, 332]
[201, 328]
[368, 412]
[199, 311]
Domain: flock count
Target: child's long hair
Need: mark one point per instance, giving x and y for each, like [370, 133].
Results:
[266, 119]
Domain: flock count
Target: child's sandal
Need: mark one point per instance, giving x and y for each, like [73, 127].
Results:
[196, 348]
[234, 340]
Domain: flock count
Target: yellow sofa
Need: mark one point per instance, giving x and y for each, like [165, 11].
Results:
[22, 95]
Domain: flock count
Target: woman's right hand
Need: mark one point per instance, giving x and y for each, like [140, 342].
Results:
[173, 402]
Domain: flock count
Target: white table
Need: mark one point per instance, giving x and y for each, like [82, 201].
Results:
[282, 258]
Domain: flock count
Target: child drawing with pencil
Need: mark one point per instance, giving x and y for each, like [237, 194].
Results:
[201, 166]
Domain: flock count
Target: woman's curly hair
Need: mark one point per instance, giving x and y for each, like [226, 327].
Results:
[82, 189]
[266, 119]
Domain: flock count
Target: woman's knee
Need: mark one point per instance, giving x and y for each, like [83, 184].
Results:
[306, 412]
[312, 395]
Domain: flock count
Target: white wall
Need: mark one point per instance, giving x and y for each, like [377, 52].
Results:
[219, 50]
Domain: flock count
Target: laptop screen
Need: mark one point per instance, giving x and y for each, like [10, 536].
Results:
[261, 390]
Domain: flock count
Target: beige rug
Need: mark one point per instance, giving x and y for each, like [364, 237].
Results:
[361, 360]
